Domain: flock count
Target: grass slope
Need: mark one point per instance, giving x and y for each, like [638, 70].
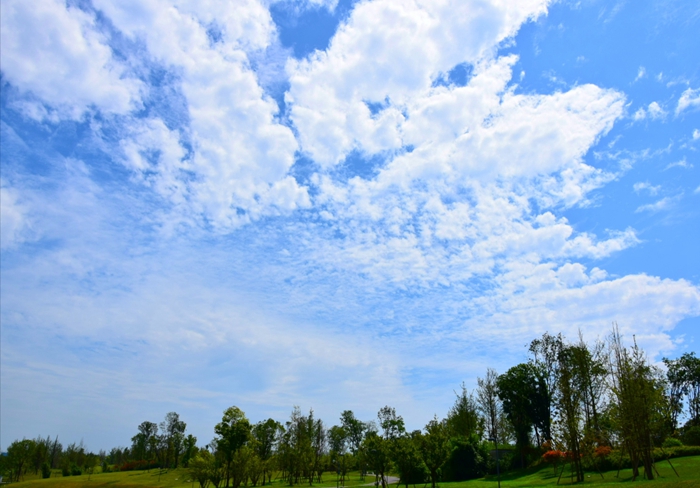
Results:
[688, 468]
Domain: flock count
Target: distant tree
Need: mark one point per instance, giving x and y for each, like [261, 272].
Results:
[144, 444]
[173, 435]
[355, 430]
[435, 448]
[392, 425]
[232, 432]
[378, 452]
[637, 399]
[515, 389]
[489, 405]
[267, 434]
[545, 356]
[201, 466]
[189, 445]
[19, 458]
[407, 459]
[684, 382]
[337, 441]
[463, 419]
[569, 397]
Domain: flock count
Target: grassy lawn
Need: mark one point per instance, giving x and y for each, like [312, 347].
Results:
[688, 468]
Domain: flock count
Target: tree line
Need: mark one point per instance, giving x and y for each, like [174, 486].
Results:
[571, 403]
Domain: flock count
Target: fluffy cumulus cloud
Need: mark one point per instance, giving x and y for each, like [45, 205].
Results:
[239, 168]
[58, 54]
[689, 100]
[465, 165]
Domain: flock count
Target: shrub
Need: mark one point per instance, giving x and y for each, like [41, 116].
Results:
[75, 470]
[65, 471]
[672, 442]
[468, 460]
[45, 470]
[691, 436]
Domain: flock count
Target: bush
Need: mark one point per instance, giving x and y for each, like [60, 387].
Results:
[671, 442]
[75, 470]
[691, 436]
[674, 452]
[65, 471]
[45, 470]
[469, 459]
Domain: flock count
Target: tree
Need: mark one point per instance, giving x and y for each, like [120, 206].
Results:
[145, 443]
[19, 457]
[189, 449]
[266, 434]
[637, 398]
[435, 448]
[489, 405]
[337, 440]
[463, 419]
[545, 356]
[232, 434]
[378, 452]
[173, 436]
[568, 400]
[525, 402]
[684, 381]
[407, 458]
[201, 466]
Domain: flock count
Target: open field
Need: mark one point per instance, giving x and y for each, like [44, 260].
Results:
[687, 467]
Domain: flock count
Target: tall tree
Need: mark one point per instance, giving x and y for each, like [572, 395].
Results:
[144, 443]
[435, 448]
[637, 398]
[526, 401]
[232, 434]
[173, 430]
[267, 433]
[463, 419]
[490, 406]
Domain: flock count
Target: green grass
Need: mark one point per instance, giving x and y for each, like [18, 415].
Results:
[688, 468]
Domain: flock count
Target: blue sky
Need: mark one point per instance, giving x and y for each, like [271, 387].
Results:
[336, 205]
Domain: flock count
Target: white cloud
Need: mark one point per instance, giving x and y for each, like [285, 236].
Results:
[697, 190]
[389, 51]
[683, 163]
[640, 114]
[696, 134]
[536, 299]
[655, 111]
[663, 204]
[13, 218]
[56, 53]
[641, 73]
[242, 154]
[646, 186]
[689, 100]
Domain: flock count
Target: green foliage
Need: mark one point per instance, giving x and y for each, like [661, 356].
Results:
[75, 470]
[408, 460]
[463, 419]
[691, 436]
[672, 442]
[19, 455]
[526, 401]
[200, 467]
[469, 459]
[435, 448]
[45, 470]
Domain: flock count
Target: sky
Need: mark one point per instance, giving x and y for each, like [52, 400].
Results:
[332, 204]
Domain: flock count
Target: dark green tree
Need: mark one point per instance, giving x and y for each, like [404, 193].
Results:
[232, 434]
